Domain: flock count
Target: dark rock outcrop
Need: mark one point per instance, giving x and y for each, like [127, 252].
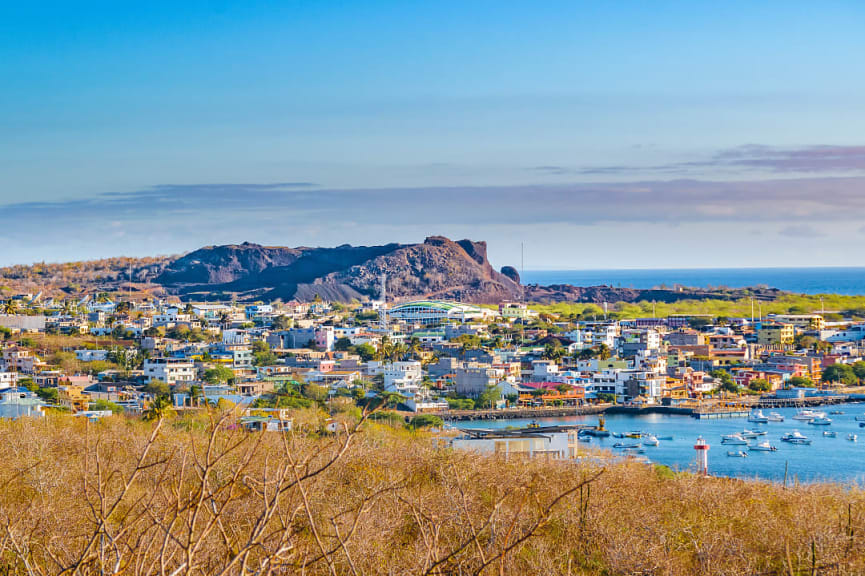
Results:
[438, 267]
[511, 273]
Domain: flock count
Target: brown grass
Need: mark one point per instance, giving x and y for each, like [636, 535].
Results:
[124, 496]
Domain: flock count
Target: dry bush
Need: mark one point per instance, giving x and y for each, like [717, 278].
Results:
[124, 496]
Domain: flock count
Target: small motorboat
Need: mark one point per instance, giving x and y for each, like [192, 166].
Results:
[861, 424]
[650, 440]
[735, 439]
[624, 446]
[533, 424]
[836, 412]
[852, 437]
[758, 417]
[808, 415]
[618, 435]
[634, 451]
[750, 434]
[859, 418]
[763, 447]
[830, 433]
[737, 454]
[775, 417]
[820, 421]
[795, 437]
[634, 435]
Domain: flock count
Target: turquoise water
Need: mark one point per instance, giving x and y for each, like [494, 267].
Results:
[826, 459]
[828, 280]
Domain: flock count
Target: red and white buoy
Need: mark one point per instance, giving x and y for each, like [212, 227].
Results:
[702, 448]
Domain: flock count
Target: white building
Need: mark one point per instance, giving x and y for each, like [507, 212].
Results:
[437, 312]
[169, 370]
[402, 377]
[8, 380]
[91, 355]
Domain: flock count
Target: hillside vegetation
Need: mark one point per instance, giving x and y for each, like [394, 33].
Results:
[194, 496]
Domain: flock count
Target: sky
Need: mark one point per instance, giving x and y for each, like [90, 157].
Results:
[595, 134]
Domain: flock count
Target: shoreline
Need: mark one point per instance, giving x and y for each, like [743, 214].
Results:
[708, 412]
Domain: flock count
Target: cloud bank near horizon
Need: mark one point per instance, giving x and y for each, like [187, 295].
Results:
[792, 218]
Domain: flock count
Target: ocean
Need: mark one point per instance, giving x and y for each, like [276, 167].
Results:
[832, 280]
[827, 459]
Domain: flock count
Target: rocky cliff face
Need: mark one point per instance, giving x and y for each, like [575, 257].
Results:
[438, 267]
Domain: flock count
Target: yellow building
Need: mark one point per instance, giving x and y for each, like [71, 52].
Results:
[73, 398]
[776, 334]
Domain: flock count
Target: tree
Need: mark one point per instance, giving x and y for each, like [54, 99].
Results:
[159, 408]
[725, 381]
[563, 388]
[606, 397]
[343, 344]
[158, 389]
[603, 352]
[859, 370]
[106, 405]
[842, 373]
[315, 392]
[282, 323]
[800, 382]
[366, 351]
[262, 355]
[553, 350]
[218, 375]
[425, 421]
[489, 397]
[759, 385]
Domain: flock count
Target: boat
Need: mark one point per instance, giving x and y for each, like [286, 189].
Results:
[650, 440]
[758, 417]
[599, 431]
[860, 418]
[861, 424]
[618, 435]
[533, 424]
[737, 454]
[795, 437]
[634, 435]
[836, 412]
[734, 439]
[634, 451]
[830, 433]
[752, 433]
[807, 415]
[665, 438]
[763, 447]
[852, 437]
[625, 446]
[820, 421]
[775, 417]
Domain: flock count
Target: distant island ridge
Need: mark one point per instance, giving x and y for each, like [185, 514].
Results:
[800, 280]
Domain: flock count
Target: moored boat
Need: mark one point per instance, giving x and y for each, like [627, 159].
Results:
[752, 433]
[775, 417]
[820, 421]
[807, 415]
[735, 439]
[650, 440]
[737, 454]
[852, 437]
[763, 447]
[758, 417]
[795, 437]
[830, 433]
[625, 446]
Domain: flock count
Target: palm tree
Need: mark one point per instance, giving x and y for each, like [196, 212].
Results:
[604, 352]
[159, 408]
[10, 306]
[195, 395]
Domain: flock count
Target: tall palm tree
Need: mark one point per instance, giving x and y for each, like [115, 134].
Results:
[10, 306]
[159, 408]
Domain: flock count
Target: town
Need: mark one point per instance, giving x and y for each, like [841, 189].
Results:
[426, 360]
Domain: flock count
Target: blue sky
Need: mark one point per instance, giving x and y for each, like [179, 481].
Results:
[584, 130]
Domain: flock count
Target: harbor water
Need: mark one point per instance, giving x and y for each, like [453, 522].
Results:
[825, 459]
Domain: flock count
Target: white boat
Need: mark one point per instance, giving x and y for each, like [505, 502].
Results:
[735, 439]
[795, 437]
[763, 447]
[758, 417]
[836, 412]
[820, 421]
[737, 454]
[860, 418]
[852, 437]
[775, 417]
[626, 446]
[650, 440]
[752, 433]
[830, 433]
[807, 415]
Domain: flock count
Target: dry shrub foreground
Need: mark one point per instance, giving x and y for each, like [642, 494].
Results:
[129, 497]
